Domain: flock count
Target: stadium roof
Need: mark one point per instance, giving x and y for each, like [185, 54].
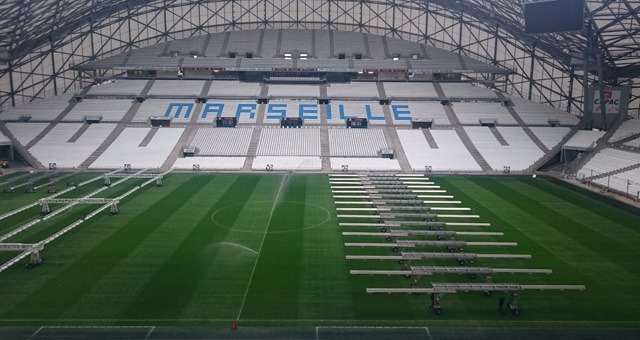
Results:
[27, 24]
[40, 25]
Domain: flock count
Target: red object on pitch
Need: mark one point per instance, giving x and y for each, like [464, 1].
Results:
[234, 325]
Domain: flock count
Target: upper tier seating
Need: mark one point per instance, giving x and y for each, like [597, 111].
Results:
[539, 114]
[122, 87]
[243, 41]
[410, 90]
[353, 90]
[43, 110]
[294, 91]
[550, 136]
[376, 47]
[349, 43]
[26, 132]
[466, 90]
[230, 89]
[471, 113]
[185, 47]
[295, 40]
[111, 110]
[583, 140]
[191, 88]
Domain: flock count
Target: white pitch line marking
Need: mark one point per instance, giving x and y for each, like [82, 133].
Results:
[273, 208]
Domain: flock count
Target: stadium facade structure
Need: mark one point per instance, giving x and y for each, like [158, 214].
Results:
[44, 43]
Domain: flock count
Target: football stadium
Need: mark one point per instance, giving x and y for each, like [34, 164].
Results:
[324, 169]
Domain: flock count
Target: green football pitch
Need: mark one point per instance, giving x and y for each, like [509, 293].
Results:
[267, 250]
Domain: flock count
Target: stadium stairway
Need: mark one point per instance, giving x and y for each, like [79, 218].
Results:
[430, 140]
[79, 133]
[387, 115]
[462, 134]
[147, 87]
[554, 151]
[323, 92]
[323, 111]
[58, 119]
[126, 58]
[22, 150]
[260, 114]
[253, 148]
[207, 84]
[382, 94]
[197, 109]
[135, 106]
[464, 137]
[207, 41]
[523, 125]
[498, 136]
[393, 142]
[258, 51]
[186, 139]
[325, 151]
[145, 141]
[448, 110]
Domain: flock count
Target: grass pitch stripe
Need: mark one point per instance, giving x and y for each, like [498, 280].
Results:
[264, 237]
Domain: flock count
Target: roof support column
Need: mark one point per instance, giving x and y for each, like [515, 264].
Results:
[570, 92]
[54, 75]
[11, 86]
[586, 116]
[603, 110]
[533, 59]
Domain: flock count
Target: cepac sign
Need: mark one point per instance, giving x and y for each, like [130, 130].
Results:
[611, 101]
